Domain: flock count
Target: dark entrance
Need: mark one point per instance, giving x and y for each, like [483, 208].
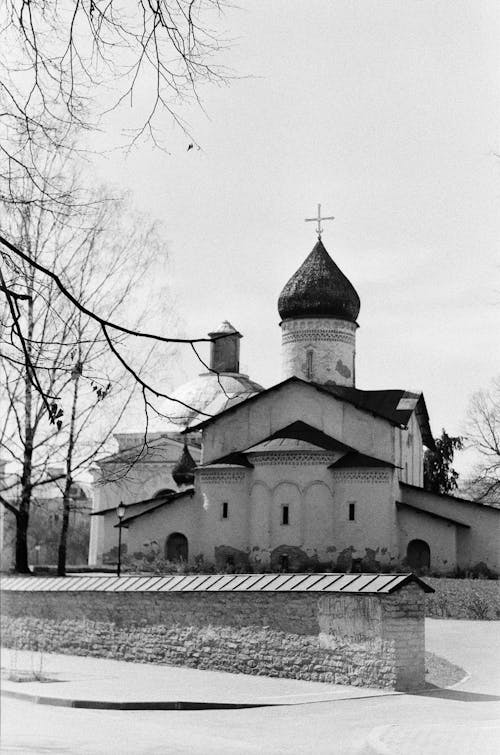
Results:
[176, 547]
[418, 555]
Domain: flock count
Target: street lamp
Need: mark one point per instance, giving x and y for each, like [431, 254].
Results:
[120, 513]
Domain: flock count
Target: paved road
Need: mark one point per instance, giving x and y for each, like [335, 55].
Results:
[440, 723]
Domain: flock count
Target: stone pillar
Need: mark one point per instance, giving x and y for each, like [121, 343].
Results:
[382, 637]
[320, 349]
[403, 626]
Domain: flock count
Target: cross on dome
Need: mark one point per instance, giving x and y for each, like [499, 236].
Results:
[318, 219]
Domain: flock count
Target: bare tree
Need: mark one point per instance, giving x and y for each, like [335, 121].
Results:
[62, 365]
[65, 65]
[483, 433]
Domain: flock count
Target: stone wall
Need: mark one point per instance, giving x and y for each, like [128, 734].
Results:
[362, 640]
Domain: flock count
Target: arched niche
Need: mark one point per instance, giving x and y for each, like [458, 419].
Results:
[176, 547]
[418, 555]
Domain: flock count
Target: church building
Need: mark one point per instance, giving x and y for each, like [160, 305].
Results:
[311, 473]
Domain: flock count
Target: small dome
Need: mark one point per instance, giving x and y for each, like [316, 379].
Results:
[319, 289]
[206, 395]
[183, 470]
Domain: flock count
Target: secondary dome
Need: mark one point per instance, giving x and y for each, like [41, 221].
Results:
[183, 470]
[206, 395]
[319, 289]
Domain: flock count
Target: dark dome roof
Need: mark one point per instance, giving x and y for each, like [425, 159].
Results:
[183, 470]
[319, 289]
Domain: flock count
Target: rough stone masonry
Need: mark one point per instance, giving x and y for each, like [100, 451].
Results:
[365, 639]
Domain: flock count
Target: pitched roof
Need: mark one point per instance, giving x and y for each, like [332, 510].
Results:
[154, 451]
[313, 583]
[353, 459]
[156, 504]
[449, 497]
[394, 405]
[432, 514]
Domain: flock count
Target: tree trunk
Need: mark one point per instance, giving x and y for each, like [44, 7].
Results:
[21, 563]
[22, 520]
[63, 538]
[68, 482]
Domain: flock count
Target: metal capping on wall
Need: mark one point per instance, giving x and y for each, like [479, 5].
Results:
[313, 583]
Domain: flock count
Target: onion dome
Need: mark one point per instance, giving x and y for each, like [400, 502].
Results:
[319, 289]
[183, 470]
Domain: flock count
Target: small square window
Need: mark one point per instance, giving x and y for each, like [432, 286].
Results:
[284, 515]
[352, 512]
[225, 510]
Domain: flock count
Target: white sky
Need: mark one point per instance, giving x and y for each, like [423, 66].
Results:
[388, 114]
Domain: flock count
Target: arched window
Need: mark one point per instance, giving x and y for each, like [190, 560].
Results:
[176, 547]
[418, 555]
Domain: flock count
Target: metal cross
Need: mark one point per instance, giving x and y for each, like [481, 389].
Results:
[319, 229]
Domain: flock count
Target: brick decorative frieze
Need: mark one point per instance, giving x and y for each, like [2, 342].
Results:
[361, 475]
[329, 330]
[222, 475]
[318, 335]
[293, 458]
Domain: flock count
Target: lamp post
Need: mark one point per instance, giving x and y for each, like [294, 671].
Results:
[120, 512]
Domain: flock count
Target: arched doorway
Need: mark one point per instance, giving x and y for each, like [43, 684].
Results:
[176, 547]
[418, 555]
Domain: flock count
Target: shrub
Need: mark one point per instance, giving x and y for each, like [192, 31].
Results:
[463, 598]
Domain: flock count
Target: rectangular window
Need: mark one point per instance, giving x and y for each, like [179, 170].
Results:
[225, 510]
[352, 512]
[284, 515]
[309, 365]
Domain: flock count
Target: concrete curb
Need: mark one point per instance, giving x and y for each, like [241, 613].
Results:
[66, 702]
[63, 702]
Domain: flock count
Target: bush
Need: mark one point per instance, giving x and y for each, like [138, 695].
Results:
[463, 598]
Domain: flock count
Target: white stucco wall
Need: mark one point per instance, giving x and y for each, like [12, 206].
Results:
[261, 417]
[152, 531]
[129, 482]
[332, 344]
[481, 543]
[218, 486]
[410, 452]
[440, 536]
[373, 532]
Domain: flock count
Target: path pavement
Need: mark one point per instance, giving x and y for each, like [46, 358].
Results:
[307, 719]
[475, 647]
[102, 683]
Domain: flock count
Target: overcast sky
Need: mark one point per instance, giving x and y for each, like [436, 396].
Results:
[388, 114]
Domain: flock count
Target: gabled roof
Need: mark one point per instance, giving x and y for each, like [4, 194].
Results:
[367, 584]
[432, 514]
[395, 405]
[450, 498]
[154, 451]
[284, 444]
[305, 437]
[156, 504]
[354, 459]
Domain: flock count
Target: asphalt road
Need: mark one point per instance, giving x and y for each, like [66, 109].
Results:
[438, 723]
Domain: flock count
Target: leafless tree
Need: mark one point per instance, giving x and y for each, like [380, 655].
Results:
[65, 65]
[483, 433]
[62, 366]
